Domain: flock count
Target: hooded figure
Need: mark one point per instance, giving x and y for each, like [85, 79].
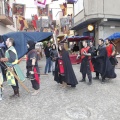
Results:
[32, 67]
[68, 76]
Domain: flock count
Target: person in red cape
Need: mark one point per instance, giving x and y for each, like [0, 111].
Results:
[111, 52]
[86, 64]
[64, 72]
[33, 72]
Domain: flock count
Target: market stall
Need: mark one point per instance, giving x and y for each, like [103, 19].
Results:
[73, 55]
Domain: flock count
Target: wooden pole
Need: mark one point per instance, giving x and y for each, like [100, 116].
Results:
[18, 79]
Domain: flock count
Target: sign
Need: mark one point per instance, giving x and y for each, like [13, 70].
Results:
[64, 21]
[43, 11]
[18, 9]
[44, 23]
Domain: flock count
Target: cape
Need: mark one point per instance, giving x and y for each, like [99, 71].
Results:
[103, 65]
[70, 77]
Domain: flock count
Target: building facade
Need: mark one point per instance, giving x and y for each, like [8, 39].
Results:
[104, 15]
[7, 20]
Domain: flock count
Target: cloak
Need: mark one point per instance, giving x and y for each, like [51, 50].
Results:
[70, 77]
[103, 65]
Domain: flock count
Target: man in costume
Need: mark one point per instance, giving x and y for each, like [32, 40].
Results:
[33, 71]
[11, 60]
[48, 58]
[102, 63]
[111, 52]
[68, 77]
[86, 65]
[100, 46]
[54, 56]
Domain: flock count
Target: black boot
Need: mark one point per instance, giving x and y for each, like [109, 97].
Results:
[83, 80]
[103, 80]
[90, 82]
[96, 78]
[16, 93]
[73, 86]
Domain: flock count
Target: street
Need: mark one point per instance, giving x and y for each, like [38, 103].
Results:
[95, 102]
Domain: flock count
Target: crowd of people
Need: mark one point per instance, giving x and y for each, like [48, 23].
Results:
[101, 60]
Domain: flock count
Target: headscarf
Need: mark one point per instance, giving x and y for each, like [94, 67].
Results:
[31, 45]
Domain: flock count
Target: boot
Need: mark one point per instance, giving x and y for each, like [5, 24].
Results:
[83, 80]
[90, 82]
[96, 78]
[103, 80]
[16, 93]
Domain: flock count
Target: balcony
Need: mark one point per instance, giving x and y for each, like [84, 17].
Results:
[5, 14]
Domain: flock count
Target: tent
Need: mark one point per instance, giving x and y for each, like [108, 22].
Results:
[21, 39]
[114, 36]
[115, 39]
[76, 39]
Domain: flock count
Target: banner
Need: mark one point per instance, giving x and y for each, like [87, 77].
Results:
[18, 9]
[71, 1]
[64, 21]
[43, 11]
[21, 23]
[64, 8]
[40, 3]
[42, 23]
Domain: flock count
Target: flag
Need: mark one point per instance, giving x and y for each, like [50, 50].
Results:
[40, 3]
[64, 8]
[34, 21]
[22, 21]
[43, 11]
[50, 16]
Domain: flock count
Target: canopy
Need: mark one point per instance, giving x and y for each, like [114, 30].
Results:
[77, 38]
[114, 36]
[115, 39]
[21, 39]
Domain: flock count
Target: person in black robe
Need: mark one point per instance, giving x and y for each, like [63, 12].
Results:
[69, 76]
[95, 53]
[103, 65]
[33, 72]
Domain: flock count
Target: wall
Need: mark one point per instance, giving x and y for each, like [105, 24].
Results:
[112, 7]
[93, 7]
[78, 6]
[98, 9]
[4, 29]
[105, 30]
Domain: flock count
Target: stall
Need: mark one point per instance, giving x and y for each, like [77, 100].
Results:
[73, 55]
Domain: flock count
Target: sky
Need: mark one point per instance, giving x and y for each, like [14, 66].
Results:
[31, 7]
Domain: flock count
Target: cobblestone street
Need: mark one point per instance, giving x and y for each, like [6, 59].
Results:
[95, 102]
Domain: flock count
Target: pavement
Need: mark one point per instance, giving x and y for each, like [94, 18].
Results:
[95, 102]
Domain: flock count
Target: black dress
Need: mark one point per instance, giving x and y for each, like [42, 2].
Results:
[69, 75]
